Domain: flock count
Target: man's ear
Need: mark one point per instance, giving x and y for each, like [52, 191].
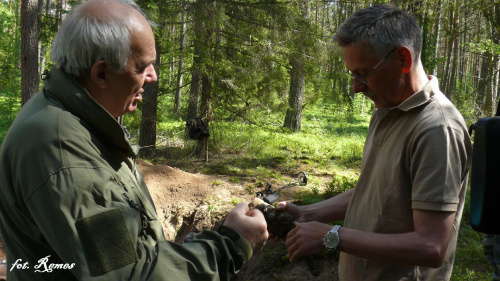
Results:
[406, 59]
[98, 74]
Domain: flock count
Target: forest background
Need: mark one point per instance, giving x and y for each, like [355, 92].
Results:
[269, 83]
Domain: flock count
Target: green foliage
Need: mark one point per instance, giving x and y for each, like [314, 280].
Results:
[250, 189]
[315, 144]
[470, 262]
[235, 201]
[49, 25]
[484, 46]
[315, 192]
[340, 184]
[234, 179]
[466, 103]
[10, 78]
[4, 127]
[332, 138]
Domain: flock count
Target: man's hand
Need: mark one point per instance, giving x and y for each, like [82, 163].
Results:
[3, 271]
[294, 210]
[250, 223]
[306, 239]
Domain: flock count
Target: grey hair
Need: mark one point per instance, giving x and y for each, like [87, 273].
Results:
[383, 27]
[86, 37]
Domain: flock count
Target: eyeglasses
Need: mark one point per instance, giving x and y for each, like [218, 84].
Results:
[362, 78]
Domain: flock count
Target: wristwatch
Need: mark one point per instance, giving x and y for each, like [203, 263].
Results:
[331, 239]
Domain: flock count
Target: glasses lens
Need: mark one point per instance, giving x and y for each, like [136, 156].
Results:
[358, 77]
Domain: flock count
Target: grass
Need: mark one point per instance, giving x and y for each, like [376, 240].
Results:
[470, 263]
[326, 144]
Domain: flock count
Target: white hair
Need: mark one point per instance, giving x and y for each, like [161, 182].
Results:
[88, 35]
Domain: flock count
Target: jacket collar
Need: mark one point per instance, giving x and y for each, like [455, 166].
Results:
[78, 101]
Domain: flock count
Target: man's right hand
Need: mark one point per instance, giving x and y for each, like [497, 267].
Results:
[249, 223]
[294, 210]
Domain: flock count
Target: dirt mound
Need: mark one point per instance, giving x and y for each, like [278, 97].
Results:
[187, 202]
[192, 202]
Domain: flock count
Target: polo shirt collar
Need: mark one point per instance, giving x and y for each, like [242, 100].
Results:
[421, 97]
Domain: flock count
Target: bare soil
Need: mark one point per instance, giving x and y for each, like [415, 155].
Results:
[192, 202]
[188, 202]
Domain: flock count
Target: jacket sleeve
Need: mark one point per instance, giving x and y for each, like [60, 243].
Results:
[87, 223]
[211, 256]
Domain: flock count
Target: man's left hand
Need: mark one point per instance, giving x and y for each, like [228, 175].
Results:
[3, 271]
[250, 223]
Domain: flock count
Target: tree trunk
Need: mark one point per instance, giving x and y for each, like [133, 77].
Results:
[426, 56]
[495, 84]
[48, 4]
[29, 49]
[208, 64]
[41, 62]
[495, 35]
[203, 30]
[462, 56]
[293, 116]
[489, 96]
[449, 49]
[194, 93]
[482, 89]
[199, 57]
[477, 57]
[294, 112]
[59, 11]
[437, 34]
[180, 69]
[454, 66]
[488, 81]
[206, 92]
[147, 136]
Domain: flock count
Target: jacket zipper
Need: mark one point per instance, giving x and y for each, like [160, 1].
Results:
[138, 207]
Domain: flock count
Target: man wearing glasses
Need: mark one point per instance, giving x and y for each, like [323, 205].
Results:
[401, 220]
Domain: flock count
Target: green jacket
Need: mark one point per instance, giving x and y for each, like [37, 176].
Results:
[73, 204]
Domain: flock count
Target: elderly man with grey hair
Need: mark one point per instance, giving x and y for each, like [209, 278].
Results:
[401, 220]
[73, 205]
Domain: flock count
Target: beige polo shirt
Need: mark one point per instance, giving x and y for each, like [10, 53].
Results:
[416, 156]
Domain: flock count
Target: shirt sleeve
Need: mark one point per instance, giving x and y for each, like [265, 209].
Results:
[437, 169]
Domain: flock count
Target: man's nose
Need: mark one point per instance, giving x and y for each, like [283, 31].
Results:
[358, 86]
[151, 74]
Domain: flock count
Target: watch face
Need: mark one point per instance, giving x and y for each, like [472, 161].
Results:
[331, 240]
